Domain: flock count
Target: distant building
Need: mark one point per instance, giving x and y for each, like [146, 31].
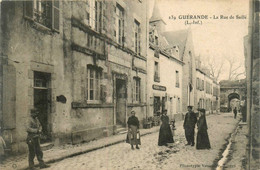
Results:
[207, 90]
[183, 39]
[81, 63]
[164, 72]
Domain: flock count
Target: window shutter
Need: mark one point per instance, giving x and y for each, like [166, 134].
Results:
[48, 11]
[123, 31]
[55, 15]
[28, 9]
[139, 40]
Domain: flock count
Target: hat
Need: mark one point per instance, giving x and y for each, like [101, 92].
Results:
[132, 111]
[190, 107]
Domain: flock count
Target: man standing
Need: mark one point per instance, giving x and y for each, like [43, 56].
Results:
[33, 140]
[235, 113]
[189, 125]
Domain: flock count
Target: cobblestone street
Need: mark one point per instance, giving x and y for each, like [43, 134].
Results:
[151, 156]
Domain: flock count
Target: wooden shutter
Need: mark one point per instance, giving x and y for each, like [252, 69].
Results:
[55, 15]
[139, 40]
[48, 13]
[104, 17]
[28, 9]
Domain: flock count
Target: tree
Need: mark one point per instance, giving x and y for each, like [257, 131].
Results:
[214, 65]
[235, 68]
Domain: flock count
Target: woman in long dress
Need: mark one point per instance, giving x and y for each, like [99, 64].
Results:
[202, 136]
[133, 128]
[165, 133]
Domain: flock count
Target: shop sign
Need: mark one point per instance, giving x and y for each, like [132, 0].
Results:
[157, 87]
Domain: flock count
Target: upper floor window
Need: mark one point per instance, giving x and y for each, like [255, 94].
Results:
[137, 37]
[137, 90]
[94, 15]
[156, 72]
[119, 32]
[177, 79]
[208, 86]
[46, 13]
[198, 83]
[93, 87]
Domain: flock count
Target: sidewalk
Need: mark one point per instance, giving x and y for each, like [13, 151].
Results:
[237, 156]
[62, 152]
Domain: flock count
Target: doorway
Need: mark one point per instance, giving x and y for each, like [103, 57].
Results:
[120, 102]
[156, 106]
[42, 102]
[163, 103]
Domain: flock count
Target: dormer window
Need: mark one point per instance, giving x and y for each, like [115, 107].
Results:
[156, 40]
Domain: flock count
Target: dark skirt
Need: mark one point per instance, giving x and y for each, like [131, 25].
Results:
[165, 135]
[202, 140]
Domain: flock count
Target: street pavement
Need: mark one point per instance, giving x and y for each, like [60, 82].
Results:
[150, 156]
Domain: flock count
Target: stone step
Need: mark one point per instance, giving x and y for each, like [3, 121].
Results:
[121, 129]
[46, 146]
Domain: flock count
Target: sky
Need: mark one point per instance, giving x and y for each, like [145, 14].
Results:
[214, 38]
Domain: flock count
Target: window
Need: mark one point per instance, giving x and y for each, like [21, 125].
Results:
[94, 15]
[119, 24]
[41, 80]
[156, 72]
[208, 86]
[156, 40]
[137, 37]
[93, 83]
[177, 79]
[215, 91]
[257, 6]
[46, 13]
[136, 90]
[198, 83]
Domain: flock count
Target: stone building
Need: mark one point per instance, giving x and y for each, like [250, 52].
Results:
[164, 72]
[183, 39]
[252, 63]
[207, 90]
[184, 52]
[81, 63]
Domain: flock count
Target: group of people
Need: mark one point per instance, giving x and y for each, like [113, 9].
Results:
[133, 135]
[165, 133]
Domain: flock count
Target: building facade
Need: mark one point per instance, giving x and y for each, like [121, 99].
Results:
[252, 64]
[164, 79]
[183, 39]
[207, 92]
[81, 63]
[164, 71]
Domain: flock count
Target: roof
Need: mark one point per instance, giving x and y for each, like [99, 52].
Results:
[177, 38]
[156, 16]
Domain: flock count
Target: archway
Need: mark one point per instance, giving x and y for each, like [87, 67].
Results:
[231, 97]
